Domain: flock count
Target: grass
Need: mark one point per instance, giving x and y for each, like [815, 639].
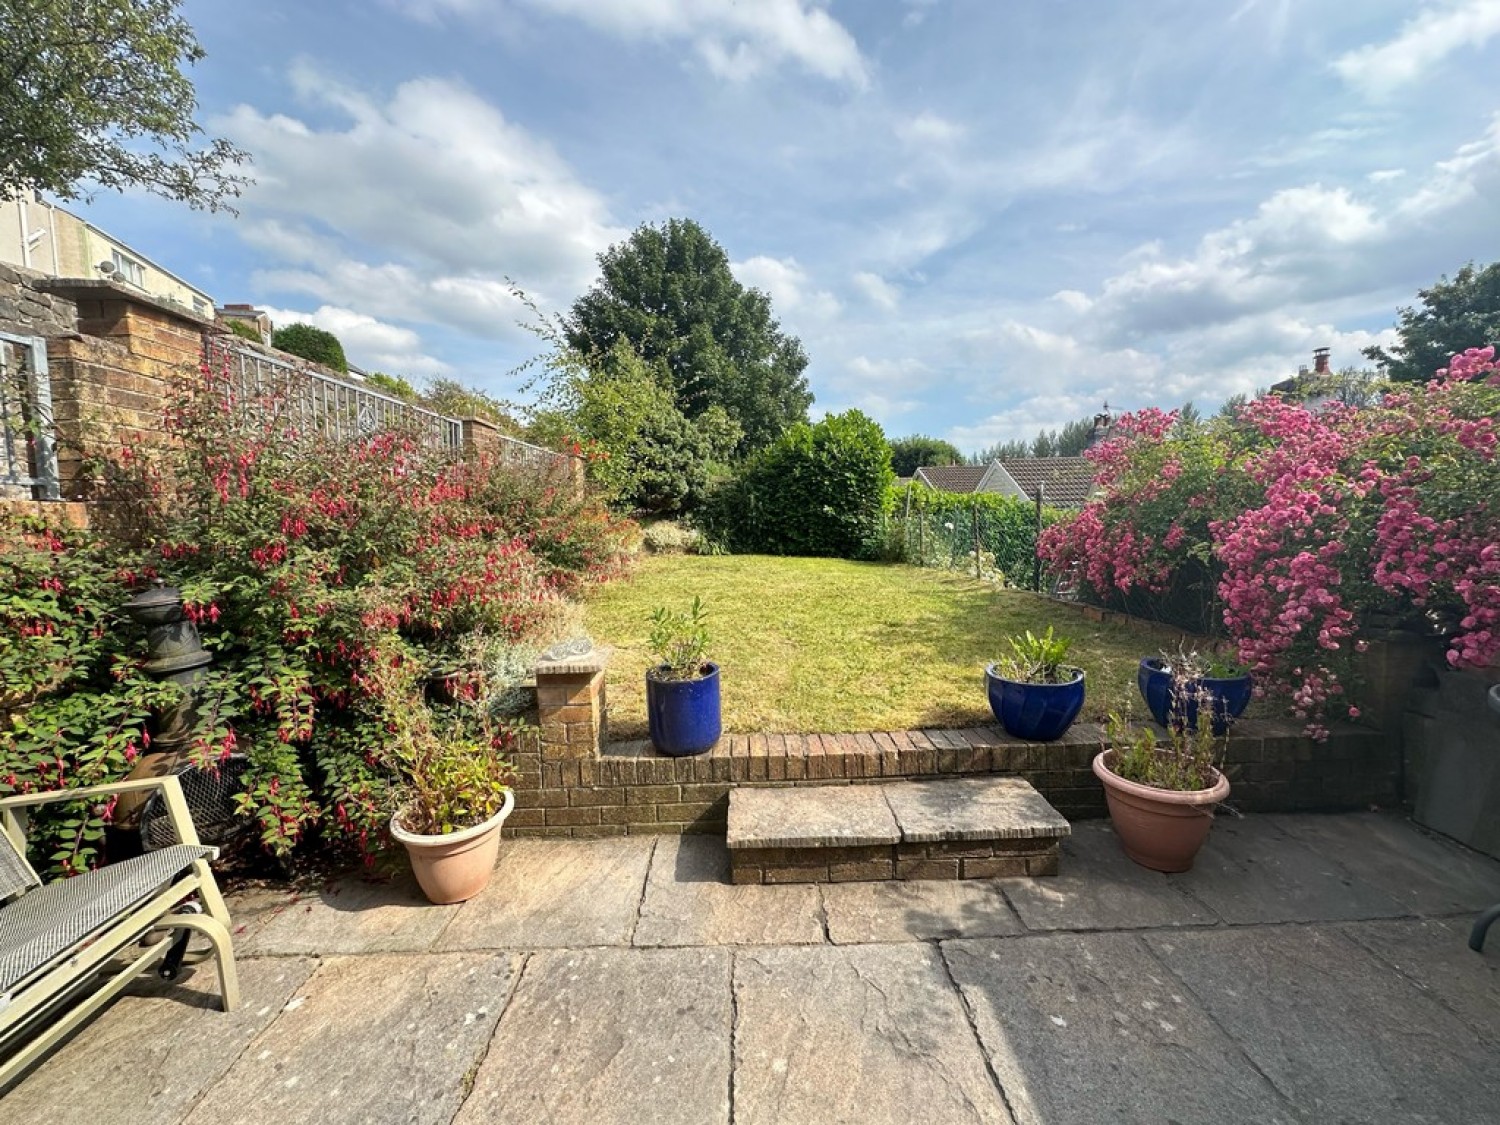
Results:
[829, 645]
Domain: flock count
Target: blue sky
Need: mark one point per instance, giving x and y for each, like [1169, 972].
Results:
[982, 217]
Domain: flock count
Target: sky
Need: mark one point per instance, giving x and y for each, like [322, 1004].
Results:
[981, 217]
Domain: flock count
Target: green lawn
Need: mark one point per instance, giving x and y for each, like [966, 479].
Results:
[829, 645]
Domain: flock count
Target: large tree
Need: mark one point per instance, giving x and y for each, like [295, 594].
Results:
[668, 292]
[92, 94]
[909, 454]
[1454, 315]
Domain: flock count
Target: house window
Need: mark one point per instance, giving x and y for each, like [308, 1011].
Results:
[127, 269]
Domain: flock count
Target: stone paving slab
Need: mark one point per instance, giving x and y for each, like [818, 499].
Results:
[1436, 957]
[990, 808]
[826, 816]
[1251, 871]
[555, 894]
[1427, 874]
[690, 901]
[916, 910]
[352, 914]
[148, 1057]
[1343, 1036]
[1098, 887]
[369, 1039]
[858, 1034]
[1085, 1028]
[611, 1035]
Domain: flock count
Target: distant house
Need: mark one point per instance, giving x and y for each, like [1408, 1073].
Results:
[41, 236]
[1313, 389]
[1066, 482]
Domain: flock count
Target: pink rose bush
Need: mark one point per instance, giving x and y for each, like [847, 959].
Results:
[1309, 522]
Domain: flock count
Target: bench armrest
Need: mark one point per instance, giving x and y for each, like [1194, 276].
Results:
[177, 810]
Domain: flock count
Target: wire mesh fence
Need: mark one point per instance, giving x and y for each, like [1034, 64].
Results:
[989, 536]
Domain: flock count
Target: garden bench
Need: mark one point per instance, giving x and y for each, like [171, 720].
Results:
[69, 947]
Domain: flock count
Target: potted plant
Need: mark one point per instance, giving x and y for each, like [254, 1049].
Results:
[454, 792]
[682, 688]
[1175, 686]
[1161, 797]
[1034, 695]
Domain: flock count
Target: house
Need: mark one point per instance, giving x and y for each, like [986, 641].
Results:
[1066, 482]
[1313, 389]
[54, 242]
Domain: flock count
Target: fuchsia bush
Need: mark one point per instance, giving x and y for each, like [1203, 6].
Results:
[1311, 522]
[304, 560]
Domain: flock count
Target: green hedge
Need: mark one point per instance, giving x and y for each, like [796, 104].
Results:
[940, 529]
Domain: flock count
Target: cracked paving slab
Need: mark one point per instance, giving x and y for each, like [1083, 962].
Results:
[611, 1035]
[1084, 1028]
[690, 901]
[555, 894]
[369, 1039]
[1342, 1035]
[863, 1034]
[149, 1056]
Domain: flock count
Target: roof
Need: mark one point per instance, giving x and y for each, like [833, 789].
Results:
[952, 478]
[1068, 482]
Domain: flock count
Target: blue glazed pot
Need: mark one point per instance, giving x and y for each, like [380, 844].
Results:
[684, 715]
[1035, 712]
[1159, 688]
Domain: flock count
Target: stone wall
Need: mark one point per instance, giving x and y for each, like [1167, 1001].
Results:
[28, 311]
[574, 784]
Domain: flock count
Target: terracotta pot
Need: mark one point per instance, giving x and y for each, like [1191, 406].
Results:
[1159, 828]
[456, 866]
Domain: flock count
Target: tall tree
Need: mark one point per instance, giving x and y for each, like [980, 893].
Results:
[668, 292]
[92, 94]
[1454, 316]
[908, 454]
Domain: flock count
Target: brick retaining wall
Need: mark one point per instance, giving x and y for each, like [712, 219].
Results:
[628, 789]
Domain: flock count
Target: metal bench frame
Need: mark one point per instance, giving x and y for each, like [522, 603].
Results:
[51, 1002]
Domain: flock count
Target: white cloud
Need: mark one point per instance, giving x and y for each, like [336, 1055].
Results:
[1384, 175]
[737, 39]
[928, 129]
[878, 290]
[1379, 69]
[455, 197]
[369, 343]
[790, 289]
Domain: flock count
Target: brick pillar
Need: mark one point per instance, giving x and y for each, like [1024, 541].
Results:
[570, 704]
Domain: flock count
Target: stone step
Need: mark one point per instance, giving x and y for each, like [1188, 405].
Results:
[969, 828]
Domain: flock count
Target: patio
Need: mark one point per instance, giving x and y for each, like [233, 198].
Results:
[1310, 968]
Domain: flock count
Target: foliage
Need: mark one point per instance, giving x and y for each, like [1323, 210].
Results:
[303, 560]
[456, 400]
[73, 701]
[396, 386]
[94, 94]
[1310, 523]
[833, 645]
[931, 528]
[1070, 441]
[1149, 532]
[909, 454]
[315, 344]
[668, 293]
[648, 456]
[1036, 659]
[243, 329]
[662, 537]
[1454, 317]
[1185, 763]
[679, 641]
[451, 764]
[819, 490]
